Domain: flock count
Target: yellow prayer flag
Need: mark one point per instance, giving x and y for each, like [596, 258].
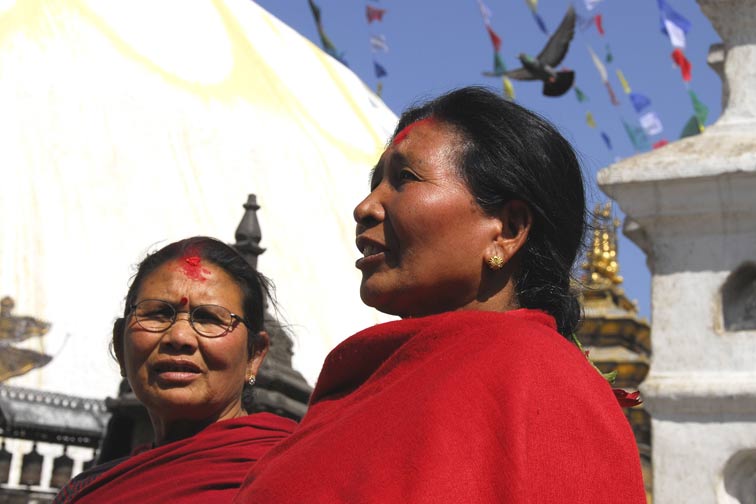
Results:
[508, 88]
[589, 119]
[625, 85]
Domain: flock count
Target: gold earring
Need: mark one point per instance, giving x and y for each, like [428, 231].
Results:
[495, 263]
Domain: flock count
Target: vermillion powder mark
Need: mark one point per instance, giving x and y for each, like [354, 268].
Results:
[183, 301]
[192, 268]
[399, 138]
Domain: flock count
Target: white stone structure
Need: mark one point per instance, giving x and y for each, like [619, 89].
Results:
[126, 125]
[691, 206]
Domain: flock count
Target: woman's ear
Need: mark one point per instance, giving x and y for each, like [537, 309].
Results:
[516, 220]
[262, 342]
[118, 329]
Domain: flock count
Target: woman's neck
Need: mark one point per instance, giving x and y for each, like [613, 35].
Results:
[168, 431]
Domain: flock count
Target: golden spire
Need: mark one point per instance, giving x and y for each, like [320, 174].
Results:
[601, 267]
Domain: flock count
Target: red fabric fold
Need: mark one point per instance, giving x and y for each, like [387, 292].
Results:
[459, 407]
[207, 467]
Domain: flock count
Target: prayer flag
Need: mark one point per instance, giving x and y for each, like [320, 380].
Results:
[589, 120]
[660, 143]
[599, 24]
[495, 40]
[606, 140]
[623, 81]
[379, 70]
[639, 102]
[692, 127]
[378, 43]
[680, 60]
[637, 137]
[499, 66]
[612, 96]
[591, 4]
[651, 123]
[374, 14]
[599, 66]
[609, 58]
[508, 88]
[328, 46]
[702, 111]
[540, 23]
[485, 12]
[583, 22]
[673, 24]
[581, 97]
[533, 4]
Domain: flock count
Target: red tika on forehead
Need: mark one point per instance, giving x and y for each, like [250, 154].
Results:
[183, 301]
[191, 265]
[399, 138]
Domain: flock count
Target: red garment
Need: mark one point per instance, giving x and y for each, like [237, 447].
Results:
[207, 467]
[466, 406]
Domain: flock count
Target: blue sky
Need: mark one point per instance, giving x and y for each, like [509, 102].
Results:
[435, 46]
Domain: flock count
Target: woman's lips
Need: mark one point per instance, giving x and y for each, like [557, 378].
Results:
[176, 372]
[372, 252]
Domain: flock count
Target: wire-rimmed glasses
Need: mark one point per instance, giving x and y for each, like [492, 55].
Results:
[210, 321]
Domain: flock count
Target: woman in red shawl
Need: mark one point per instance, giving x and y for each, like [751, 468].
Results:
[190, 339]
[469, 234]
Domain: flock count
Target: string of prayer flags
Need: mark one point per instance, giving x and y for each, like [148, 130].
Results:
[499, 68]
[604, 76]
[377, 43]
[374, 14]
[674, 25]
[328, 46]
[583, 22]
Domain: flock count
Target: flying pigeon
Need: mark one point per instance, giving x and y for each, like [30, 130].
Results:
[555, 83]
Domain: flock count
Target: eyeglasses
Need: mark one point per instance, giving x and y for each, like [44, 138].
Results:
[210, 321]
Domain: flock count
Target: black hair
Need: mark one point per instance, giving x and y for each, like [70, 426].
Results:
[507, 153]
[254, 286]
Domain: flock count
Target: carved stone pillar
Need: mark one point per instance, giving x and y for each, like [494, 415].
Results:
[691, 206]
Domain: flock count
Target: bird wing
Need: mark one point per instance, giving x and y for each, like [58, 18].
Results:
[556, 48]
[520, 74]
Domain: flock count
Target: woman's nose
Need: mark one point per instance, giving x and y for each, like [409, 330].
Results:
[181, 335]
[370, 210]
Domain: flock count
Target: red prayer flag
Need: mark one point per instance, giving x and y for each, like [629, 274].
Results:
[495, 40]
[612, 96]
[599, 26]
[660, 143]
[680, 60]
[374, 14]
[627, 399]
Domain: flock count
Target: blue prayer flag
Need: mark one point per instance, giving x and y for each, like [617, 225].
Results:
[379, 70]
[639, 101]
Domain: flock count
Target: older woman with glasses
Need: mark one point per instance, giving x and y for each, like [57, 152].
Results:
[190, 339]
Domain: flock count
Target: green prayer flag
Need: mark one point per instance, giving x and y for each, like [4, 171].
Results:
[637, 137]
[692, 127]
[581, 97]
[499, 66]
[702, 111]
[609, 58]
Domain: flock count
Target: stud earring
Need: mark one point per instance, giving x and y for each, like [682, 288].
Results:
[252, 381]
[495, 262]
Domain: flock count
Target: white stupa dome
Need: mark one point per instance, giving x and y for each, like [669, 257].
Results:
[127, 125]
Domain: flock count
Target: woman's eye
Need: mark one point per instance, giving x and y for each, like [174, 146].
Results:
[406, 175]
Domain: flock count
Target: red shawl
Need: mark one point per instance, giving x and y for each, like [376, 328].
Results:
[459, 407]
[207, 467]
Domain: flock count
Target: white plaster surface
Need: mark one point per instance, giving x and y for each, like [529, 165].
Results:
[121, 132]
[691, 206]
